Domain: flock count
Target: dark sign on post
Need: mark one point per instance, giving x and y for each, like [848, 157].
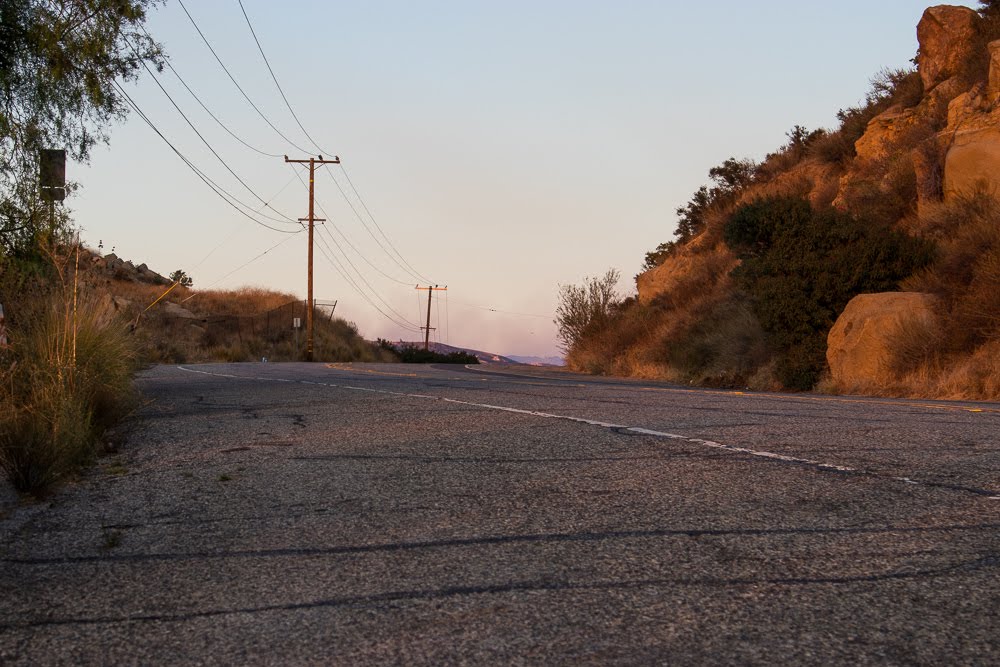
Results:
[52, 174]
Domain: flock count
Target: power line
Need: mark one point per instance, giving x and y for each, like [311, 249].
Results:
[244, 265]
[498, 310]
[275, 79]
[374, 222]
[402, 265]
[213, 151]
[209, 111]
[347, 278]
[409, 325]
[236, 229]
[235, 83]
[355, 268]
[348, 241]
[215, 187]
[363, 280]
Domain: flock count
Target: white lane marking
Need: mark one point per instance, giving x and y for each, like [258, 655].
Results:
[590, 422]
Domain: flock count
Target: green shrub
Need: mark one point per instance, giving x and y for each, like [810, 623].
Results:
[412, 354]
[801, 267]
[723, 348]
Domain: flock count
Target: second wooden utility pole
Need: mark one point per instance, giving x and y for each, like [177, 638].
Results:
[430, 290]
[312, 162]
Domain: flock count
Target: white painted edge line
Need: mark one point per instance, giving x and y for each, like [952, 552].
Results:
[590, 422]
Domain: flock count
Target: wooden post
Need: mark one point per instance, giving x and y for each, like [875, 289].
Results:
[312, 162]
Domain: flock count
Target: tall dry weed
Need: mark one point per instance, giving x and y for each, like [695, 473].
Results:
[66, 378]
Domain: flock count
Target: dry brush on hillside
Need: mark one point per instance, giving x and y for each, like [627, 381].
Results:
[901, 196]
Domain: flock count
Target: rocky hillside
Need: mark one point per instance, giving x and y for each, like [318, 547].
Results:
[860, 258]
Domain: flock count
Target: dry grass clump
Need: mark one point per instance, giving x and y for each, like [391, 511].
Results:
[696, 332]
[966, 272]
[242, 301]
[65, 379]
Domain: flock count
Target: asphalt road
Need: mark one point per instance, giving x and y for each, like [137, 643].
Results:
[370, 514]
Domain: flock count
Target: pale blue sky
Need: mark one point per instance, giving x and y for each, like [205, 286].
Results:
[504, 148]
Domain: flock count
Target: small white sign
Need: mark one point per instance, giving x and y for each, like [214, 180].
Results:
[296, 322]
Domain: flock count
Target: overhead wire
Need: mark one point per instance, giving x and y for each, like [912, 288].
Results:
[357, 194]
[437, 313]
[235, 83]
[275, 79]
[348, 241]
[221, 192]
[363, 280]
[213, 151]
[499, 310]
[324, 248]
[364, 224]
[236, 229]
[406, 266]
[323, 230]
[244, 265]
[212, 115]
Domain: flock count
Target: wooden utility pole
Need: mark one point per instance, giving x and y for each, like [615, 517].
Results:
[430, 290]
[312, 162]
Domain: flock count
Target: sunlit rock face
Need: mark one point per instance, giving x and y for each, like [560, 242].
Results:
[948, 39]
[873, 330]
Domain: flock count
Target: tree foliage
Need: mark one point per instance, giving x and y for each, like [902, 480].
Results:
[59, 61]
[181, 278]
[730, 177]
[800, 267]
[584, 307]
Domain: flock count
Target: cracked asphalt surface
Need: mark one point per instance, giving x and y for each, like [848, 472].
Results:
[374, 514]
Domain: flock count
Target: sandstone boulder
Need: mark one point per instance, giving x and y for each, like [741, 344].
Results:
[948, 39]
[174, 310]
[993, 87]
[883, 131]
[973, 162]
[864, 341]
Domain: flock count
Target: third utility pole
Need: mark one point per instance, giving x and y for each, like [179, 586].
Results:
[430, 290]
[312, 162]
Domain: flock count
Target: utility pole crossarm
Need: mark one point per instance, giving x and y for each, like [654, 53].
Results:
[312, 219]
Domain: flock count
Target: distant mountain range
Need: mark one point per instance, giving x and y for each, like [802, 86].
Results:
[490, 357]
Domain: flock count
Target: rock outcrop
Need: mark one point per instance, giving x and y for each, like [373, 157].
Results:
[973, 162]
[112, 266]
[865, 340]
[948, 39]
[695, 268]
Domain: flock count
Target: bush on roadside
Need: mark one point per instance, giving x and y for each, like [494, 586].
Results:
[800, 268]
[412, 354]
[66, 379]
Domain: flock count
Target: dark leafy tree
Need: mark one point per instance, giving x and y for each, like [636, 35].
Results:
[59, 61]
[181, 278]
[730, 178]
[732, 175]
